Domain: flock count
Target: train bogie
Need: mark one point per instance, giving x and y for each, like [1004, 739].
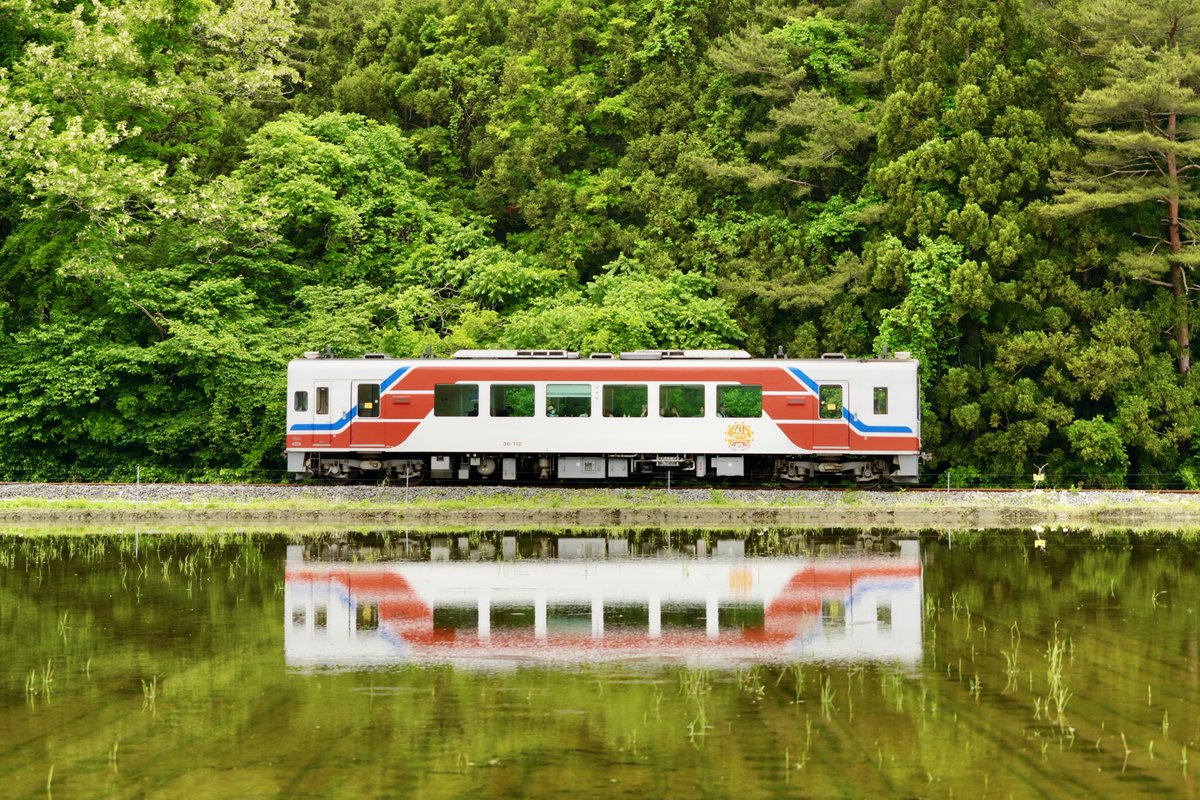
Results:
[550, 415]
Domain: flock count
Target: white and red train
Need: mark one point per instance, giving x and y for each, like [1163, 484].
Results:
[523, 415]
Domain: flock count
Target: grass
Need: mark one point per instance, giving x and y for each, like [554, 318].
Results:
[534, 501]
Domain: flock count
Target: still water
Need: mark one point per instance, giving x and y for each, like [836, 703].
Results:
[704, 664]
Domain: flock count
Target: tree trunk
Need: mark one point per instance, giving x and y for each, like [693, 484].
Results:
[1178, 284]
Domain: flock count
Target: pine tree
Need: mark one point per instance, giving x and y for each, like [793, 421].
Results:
[1139, 127]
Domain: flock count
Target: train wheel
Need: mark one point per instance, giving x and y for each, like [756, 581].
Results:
[410, 475]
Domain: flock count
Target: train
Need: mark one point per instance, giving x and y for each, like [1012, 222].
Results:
[521, 416]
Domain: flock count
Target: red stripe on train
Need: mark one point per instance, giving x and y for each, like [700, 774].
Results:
[772, 379]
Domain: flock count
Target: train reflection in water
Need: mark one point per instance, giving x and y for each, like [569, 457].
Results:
[588, 600]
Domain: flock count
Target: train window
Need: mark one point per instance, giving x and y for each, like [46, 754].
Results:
[739, 401]
[301, 401]
[881, 399]
[456, 400]
[568, 400]
[624, 400]
[681, 401]
[368, 399]
[512, 400]
[322, 400]
[831, 401]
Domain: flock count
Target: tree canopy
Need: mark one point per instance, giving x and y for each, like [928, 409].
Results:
[191, 193]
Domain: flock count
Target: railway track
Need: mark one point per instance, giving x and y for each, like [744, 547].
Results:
[76, 488]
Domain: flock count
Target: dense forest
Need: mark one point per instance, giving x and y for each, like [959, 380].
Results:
[192, 192]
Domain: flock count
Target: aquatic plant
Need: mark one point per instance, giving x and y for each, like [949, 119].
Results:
[750, 682]
[695, 685]
[1060, 695]
[150, 695]
[1012, 668]
[827, 695]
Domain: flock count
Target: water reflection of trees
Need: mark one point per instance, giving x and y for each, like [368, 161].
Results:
[92, 617]
[1094, 637]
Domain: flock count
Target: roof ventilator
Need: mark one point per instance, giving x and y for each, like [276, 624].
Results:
[657, 355]
[516, 354]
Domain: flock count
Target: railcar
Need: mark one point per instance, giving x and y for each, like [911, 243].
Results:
[543, 415]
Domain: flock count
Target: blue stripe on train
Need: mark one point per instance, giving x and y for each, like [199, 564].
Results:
[847, 414]
[352, 413]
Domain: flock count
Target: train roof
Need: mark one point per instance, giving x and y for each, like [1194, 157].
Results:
[569, 355]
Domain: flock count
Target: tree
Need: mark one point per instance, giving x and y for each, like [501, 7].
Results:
[967, 273]
[130, 272]
[1139, 126]
[624, 310]
[810, 117]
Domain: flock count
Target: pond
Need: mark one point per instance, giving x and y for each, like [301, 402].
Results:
[705, 664]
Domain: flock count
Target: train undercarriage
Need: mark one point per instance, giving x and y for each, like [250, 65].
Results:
[866, 470]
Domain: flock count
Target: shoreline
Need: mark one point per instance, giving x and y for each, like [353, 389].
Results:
[97, 506]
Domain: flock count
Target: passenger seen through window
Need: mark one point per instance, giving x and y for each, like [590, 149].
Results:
[569, 400]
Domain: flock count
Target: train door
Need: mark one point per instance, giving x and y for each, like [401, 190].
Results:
[833, 430]
[320, 417]
[363, 431]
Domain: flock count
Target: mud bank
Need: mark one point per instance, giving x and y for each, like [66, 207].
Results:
[95, 506]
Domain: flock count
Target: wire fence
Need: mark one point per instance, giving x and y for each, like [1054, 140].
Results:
[148, 474]
[1055, 481]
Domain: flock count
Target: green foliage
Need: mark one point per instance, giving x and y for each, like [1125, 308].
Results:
[1138, 127]
[962, 478]
[192, 193]
[921, 324]
[627, 310]
[1100, 452]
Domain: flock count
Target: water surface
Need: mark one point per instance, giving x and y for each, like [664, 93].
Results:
[779, 664]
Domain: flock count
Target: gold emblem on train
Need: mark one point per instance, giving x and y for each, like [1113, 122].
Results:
[738, 435]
